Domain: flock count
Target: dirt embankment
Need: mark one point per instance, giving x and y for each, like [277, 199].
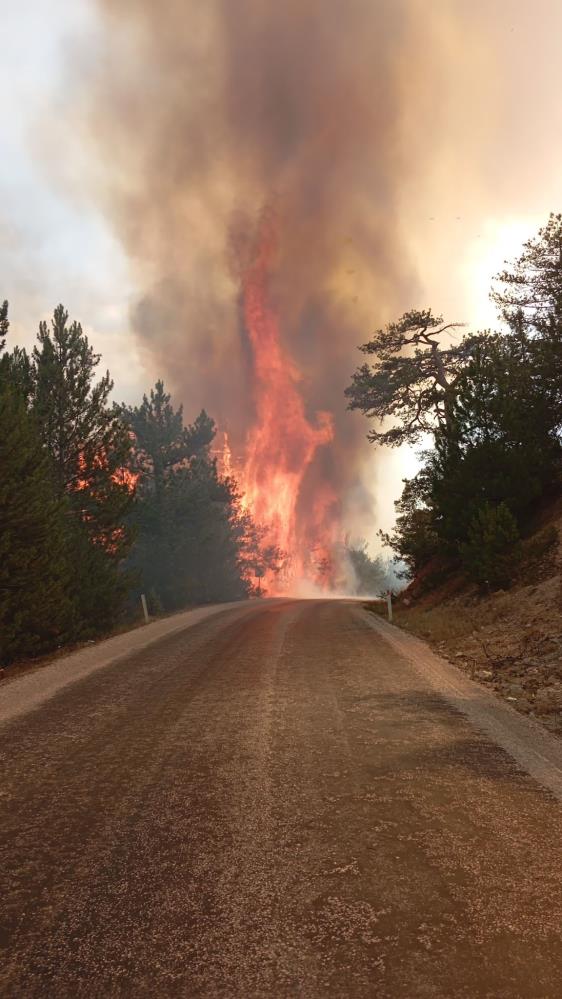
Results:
[511, 640]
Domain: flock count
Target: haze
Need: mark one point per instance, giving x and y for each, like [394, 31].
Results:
[455, 165]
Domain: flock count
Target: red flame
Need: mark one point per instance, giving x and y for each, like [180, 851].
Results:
[283, 442]
[124, 478]
[121, 476]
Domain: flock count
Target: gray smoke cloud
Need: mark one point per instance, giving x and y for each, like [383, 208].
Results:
[200, 115]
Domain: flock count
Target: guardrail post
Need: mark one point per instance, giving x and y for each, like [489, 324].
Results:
[144, 608]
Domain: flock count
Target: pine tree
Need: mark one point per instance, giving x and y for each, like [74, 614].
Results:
[504, 447]
[528, 294]
[529, 290]
[36, 611]
[19, 372]
[194, 544]
[4, 325]
[492, 552]
[413, 378]
[200, 435]
[162, 442]
[89, 445]
[77, 422]
[413, 540]
[173, 498]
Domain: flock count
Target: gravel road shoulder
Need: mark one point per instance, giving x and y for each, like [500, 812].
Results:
[24, 693]
[537, 751]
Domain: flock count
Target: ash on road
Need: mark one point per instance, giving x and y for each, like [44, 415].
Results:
[274, 803]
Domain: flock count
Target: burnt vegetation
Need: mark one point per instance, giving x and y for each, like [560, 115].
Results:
[487, 409]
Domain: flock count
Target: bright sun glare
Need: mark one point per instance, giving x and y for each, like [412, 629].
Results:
[499, 241]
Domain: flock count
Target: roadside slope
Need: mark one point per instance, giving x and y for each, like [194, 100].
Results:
[509, 641]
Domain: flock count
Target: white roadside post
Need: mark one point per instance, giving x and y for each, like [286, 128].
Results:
[389, 604]
[144, 608]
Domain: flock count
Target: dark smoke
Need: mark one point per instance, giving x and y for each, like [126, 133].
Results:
[204, 113]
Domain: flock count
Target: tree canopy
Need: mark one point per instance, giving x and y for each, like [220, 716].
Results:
[36, 573]
[492, 405]
[412, 381]
[529, 290]
[195, 542]
[99, 502]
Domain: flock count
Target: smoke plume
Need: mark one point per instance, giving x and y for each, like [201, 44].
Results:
[206, 118]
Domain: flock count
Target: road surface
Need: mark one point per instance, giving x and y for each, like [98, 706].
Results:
[273, 803]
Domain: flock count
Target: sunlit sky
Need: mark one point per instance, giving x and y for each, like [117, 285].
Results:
[54, 249]
[57, 247]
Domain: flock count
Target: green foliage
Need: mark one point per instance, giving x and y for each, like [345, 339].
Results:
[100, 585]
[89, 445]
[36, 575]
[414, 539]
[70, 465]
[200, 435]
[492, 551]
[504, 446]
[18, 370]
[195, 544]
[528, 294]
[413, 379]
[529, 291]
[64, 494]
[77, 423]
[254, 556]
[4, 325]
[162, 443]
[493, 404]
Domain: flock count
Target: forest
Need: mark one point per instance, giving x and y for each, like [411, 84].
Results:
[100, 502]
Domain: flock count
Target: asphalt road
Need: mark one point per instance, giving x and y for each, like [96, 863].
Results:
[272, 803]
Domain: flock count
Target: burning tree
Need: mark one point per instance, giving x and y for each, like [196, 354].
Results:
[283, 442]
[195, 542]
[89, 447]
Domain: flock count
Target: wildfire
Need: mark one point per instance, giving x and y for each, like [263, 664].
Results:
[283, 442]
[123, 478]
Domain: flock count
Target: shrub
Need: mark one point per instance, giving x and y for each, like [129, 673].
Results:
[493, 549]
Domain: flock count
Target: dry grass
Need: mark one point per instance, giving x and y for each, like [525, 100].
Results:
[511, 640]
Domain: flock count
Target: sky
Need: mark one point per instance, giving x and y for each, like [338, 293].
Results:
[487, 134]
[54, 247]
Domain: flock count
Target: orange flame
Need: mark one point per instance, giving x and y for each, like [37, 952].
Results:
[283, 442]
[124, 478]
[121, 476]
